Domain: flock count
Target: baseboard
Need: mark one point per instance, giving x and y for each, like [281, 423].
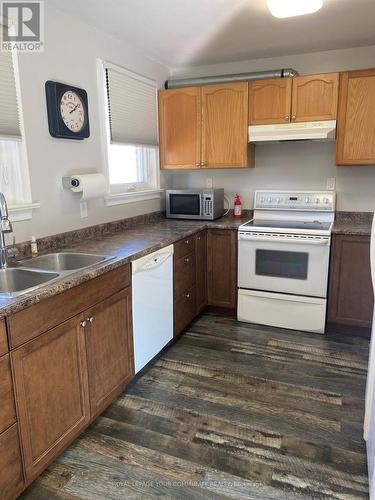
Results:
[360, 331]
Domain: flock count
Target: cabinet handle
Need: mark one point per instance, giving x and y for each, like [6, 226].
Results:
[286, 118]
[91, 319]
[198, 164]
[187, 295]
[293, 118]
[199, 238]
[202, 164]
[187, 259]
[83, 323]
[186, 242]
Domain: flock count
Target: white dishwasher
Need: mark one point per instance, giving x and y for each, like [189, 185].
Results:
[152, 292]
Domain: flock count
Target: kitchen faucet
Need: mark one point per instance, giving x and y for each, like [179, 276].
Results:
[5, 227]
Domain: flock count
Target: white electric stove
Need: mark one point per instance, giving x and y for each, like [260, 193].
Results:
[283, 259]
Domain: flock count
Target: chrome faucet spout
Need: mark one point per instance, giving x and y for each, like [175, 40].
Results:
[5, 227]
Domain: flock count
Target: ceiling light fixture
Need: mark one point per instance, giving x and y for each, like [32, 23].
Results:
[291, 8]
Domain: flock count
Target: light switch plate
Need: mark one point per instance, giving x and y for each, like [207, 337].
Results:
[209, 182]
[331, 183]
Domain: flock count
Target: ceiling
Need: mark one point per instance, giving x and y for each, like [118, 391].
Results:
[180, 33]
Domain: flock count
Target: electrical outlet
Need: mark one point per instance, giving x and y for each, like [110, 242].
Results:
[331, 183]
[209, 182]
[83, 208]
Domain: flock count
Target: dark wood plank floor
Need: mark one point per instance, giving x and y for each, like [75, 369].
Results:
[230, 411]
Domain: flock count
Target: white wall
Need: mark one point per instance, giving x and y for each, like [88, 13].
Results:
[71, 51]
[291, 165]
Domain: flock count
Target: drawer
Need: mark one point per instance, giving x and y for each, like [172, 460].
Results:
[3, 338]
[184, 246]
[11, 477]
[184, 310]
[7, 408]
[184, 273]
[30, 322]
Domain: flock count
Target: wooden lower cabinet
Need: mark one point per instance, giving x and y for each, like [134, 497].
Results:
[222, 268]
[51, 388]
[109, 346]
[350, 298]
[11, 476]
[184, 286]
[201, 270]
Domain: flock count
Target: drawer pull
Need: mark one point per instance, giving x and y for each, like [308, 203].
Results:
[83, 323]
[186, 242]
[91, 319]
[187, 260]
[187, 295]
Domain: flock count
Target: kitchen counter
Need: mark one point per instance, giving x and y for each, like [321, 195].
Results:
[353, 223]
[125, 246]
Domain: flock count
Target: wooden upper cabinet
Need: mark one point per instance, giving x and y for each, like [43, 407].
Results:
[51, 389]
[269, 101]
[224, 126]
[314, 97]
[180, 127]
[109, 349]
[356, 119]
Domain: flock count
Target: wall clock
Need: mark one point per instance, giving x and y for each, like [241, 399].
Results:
[67, 109]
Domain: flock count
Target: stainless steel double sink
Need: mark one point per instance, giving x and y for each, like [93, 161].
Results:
[32, 274]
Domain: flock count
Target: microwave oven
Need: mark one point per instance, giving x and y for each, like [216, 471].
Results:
[204, 204]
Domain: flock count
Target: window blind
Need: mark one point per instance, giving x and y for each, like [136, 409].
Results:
[132, 108]
[9, 119]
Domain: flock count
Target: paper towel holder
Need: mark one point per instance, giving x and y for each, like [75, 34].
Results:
[68, 182]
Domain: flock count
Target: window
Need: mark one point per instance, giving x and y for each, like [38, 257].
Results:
[130, 103]
[14, 175]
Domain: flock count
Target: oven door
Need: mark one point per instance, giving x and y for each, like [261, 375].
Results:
[285, 263]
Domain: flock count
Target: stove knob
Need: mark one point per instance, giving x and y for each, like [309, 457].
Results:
[262, 200]
[270, 200]
[307, 200]
[326, 201]
[278, 200]
[317, 201]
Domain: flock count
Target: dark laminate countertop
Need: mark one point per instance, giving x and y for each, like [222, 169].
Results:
[353, 223]
[124, 246]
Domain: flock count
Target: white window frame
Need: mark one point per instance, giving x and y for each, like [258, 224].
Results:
[21, 211]
[135, 191]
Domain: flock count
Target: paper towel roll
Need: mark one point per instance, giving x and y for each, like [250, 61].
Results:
[90, 185]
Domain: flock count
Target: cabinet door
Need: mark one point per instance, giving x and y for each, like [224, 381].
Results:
[184, 310]
[314, 97]
[7, 406]
[270, 101]
[11, 477]
[355, 143]
[52, 393]
[224, 126]
[222, 268]
[350, 300]
[201, 270]
[109, 342]
[180, 128]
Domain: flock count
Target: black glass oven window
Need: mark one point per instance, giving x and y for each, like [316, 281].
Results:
[281, 264]
[184, 204]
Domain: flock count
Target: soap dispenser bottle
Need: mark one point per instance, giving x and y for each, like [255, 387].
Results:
[34, 247]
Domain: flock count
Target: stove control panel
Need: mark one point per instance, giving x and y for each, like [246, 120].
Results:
[323, 201]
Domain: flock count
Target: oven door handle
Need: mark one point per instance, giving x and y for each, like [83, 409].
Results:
[322, 242]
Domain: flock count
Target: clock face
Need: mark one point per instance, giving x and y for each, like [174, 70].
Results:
[72, 111]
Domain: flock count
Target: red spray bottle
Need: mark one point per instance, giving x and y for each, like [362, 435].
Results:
[237, 207]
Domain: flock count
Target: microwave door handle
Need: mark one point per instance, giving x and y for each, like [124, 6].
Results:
[285, 240]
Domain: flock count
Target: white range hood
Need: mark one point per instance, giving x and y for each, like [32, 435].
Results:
[325, 130]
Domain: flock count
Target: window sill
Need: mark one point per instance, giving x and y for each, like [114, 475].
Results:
[22, 211]
[132, 197]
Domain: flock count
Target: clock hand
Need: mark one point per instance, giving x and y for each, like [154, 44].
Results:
[75, 107]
